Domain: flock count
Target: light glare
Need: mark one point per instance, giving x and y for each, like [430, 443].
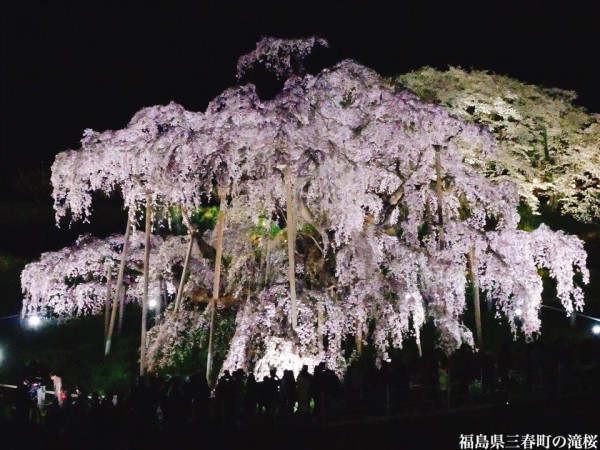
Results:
[34, 321]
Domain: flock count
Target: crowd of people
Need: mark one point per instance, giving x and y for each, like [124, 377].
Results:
[398, 386]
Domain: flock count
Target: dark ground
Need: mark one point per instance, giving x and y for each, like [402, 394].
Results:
[567, 416]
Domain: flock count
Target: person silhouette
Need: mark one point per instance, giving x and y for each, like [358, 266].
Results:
[58, 387]
[303, 388]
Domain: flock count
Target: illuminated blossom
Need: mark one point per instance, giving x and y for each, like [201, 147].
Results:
[390, 194]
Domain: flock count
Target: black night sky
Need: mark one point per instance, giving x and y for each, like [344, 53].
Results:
[68, 67]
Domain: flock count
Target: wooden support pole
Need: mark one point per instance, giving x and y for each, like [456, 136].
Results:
[107, 299]
[113, 313]
[185, 269]
[475, 287]
[146, 280]
[216, 284]
[121, 309]
[440, 197]
[291, 245]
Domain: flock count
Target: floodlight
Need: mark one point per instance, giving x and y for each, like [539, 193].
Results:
[34, 321]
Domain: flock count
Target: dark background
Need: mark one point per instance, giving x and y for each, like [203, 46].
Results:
[67, 67]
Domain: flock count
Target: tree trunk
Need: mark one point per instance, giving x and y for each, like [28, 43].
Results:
[475, 287]
[291, 244]
[216, 284]
[145, 292]
[121, 309]
[113, 314]
[440, 198]
[184, 272]
[107, 301]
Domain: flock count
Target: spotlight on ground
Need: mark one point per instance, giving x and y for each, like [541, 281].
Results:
[152, 304]
[596, 330]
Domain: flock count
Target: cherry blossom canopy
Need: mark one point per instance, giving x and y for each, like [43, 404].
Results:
[389, 197]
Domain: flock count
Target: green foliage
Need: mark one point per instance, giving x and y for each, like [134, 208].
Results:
[191, 348]
[261, 228]
[205, 218]
[223, 334]
[464, 209]
[547, 156]
[424, 93]
[274, 230]
[529, 221]
[309, 229]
